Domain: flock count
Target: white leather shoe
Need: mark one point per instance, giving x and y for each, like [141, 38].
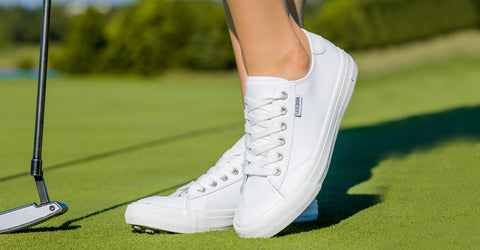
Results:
[207, 204]
[291, 127]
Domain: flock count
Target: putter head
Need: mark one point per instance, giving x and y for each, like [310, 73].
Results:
[29, 215]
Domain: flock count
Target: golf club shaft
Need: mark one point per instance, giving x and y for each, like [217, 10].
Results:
[42, 189]
[32, 214]
[36, 168]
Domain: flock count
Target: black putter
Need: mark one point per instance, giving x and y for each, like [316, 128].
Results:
[32, 214]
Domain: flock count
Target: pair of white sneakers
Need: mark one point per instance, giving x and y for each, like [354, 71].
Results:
[206, 204]
[271, 176]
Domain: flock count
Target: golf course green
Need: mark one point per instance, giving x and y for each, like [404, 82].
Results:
[404, 174]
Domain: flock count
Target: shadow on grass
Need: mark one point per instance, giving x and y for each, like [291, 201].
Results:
[132, 148]
[67, 225]
[358, 150]
[46, 229]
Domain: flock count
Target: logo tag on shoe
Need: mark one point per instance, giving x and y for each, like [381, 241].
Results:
[298, 106]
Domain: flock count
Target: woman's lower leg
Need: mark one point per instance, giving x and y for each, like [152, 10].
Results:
[271, 42]
[296, 10]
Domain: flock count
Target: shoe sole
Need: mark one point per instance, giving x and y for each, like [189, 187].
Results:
[150, 219]
[285, 212]
[161, 218]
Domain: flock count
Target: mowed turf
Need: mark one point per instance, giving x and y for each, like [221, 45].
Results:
[404, 173]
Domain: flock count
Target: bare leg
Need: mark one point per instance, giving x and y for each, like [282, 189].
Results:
[295, 20]
[242, 72]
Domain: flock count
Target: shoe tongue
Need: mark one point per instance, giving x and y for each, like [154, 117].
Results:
[262, 86]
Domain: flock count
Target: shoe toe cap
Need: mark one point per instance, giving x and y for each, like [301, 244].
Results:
[162, 213]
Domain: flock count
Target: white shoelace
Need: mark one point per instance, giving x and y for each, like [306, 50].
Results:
[260, 130]
[229, 164]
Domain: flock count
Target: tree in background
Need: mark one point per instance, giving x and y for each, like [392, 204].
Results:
[4, 39]
[361, 24]
[152, 36]
[146, 38]
[83, 44]
[209, 46]
[20, 26]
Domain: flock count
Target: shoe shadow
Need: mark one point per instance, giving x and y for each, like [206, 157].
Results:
[358, 150]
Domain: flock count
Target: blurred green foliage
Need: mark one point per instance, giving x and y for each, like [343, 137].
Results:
[360, 24]
[20, 26]
[477, 4]
[83, 43]
[151, 36]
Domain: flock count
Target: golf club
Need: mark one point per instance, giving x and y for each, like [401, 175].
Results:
[32, 214]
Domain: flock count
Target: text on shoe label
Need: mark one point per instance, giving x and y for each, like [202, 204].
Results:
[298, 106]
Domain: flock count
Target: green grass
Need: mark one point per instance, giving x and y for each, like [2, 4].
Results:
[404, 173]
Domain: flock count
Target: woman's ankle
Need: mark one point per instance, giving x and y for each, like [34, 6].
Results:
[296, 64]
[289, 63]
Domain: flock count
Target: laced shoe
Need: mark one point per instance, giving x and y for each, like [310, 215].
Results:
[291, 127]
[203, 205]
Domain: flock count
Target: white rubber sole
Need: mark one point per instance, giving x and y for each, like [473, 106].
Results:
[148, 218]
[285, 212]
[162, 218]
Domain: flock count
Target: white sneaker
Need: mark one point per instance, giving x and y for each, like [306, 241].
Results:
[291, 127]
[207, 204]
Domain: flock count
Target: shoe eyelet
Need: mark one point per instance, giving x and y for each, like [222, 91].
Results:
[278, 172]
[283, 126]
[279, 156]
[284, 111]
[282, 141]
[224, 178]
[201, 190]
[213, 184]
[235, 171]
[284, 95]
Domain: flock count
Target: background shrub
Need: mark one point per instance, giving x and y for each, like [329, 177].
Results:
[360, 24]
[83, 44]
[147, 38]
[151, 36]
[20, 26]
[208, 46]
